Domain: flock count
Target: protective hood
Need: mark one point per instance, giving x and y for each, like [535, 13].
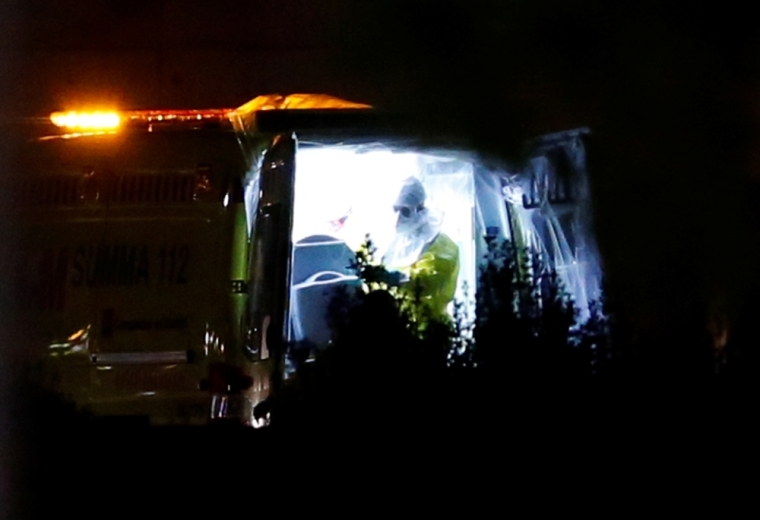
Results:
[416, 226]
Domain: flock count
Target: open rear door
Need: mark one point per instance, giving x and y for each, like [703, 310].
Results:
[270, 265]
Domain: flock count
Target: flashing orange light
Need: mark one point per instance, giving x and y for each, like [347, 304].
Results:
[86, 120]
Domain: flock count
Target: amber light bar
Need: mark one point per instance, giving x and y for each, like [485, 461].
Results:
[97, 121]
[102, 120]
[86, 120]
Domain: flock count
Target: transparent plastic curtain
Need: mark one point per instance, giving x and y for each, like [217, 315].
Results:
[533, 208]
[586, 250]
[449, 183]
[345, 192]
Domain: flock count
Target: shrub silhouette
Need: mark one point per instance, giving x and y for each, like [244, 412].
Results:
[387, 349]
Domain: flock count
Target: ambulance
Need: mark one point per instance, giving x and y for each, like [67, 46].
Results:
[175, 265]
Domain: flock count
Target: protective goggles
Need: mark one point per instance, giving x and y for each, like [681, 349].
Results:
[407, 211]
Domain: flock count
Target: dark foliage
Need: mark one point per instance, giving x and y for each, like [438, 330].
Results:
[526, 322]
[390, 356]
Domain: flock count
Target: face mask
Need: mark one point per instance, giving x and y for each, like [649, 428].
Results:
[409, 219]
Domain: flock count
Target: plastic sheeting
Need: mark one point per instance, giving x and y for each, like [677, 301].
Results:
[547, 207]
[343, 193]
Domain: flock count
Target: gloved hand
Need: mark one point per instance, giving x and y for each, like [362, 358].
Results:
[396, 278]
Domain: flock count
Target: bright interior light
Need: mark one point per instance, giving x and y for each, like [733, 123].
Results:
[86, 120]
[335, 182]
[347, 193]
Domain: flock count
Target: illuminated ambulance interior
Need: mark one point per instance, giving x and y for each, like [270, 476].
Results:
[345, 192]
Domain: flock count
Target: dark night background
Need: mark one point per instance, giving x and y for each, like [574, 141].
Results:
[671, 93]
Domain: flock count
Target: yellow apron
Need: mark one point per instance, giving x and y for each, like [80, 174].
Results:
[434, 275]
